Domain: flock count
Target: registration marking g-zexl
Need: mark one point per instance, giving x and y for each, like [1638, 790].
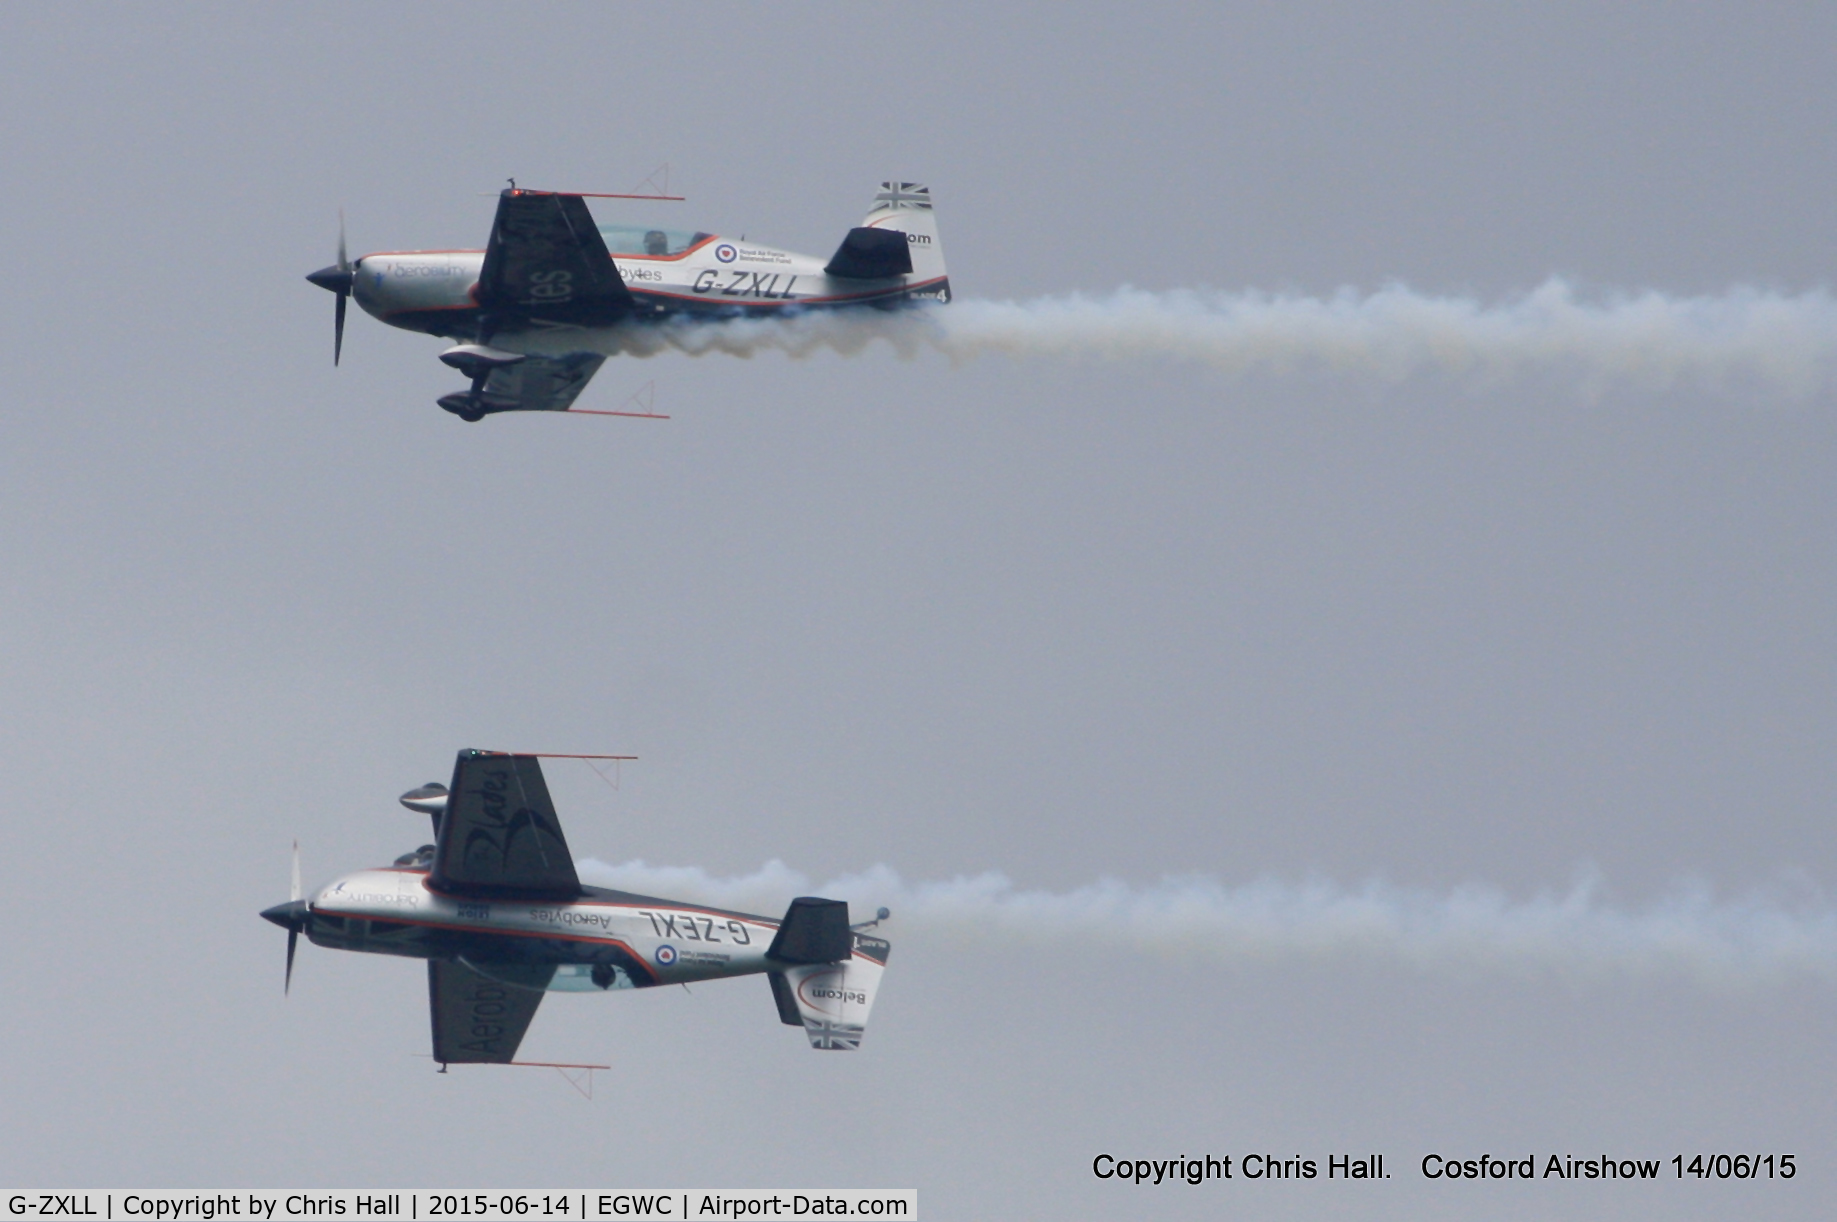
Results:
[693, 927]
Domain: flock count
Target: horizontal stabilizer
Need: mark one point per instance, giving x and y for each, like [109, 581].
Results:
[814, 931]
[871, 254]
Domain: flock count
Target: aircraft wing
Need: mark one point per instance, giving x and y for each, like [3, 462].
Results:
[477, 1019]
[546, 263]
[541, 383]
[499, 834]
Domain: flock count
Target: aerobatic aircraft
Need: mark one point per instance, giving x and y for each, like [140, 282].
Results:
[496, 909]
[554, 293]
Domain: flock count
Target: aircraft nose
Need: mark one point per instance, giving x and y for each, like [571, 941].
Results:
[291, 915]
[333, 279]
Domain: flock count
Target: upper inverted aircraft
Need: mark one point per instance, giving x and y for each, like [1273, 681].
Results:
[541, 307]
[495, 907]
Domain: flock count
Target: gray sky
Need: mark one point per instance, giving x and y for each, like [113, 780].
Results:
[1062, 619]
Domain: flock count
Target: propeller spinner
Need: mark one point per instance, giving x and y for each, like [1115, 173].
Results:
[338, 278]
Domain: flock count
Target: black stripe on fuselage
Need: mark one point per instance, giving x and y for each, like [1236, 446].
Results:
[423, 940]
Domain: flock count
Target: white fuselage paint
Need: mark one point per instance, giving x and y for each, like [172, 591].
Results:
[713, 278]
[677, 943]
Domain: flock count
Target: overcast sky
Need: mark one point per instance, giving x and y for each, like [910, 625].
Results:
[1065, 619]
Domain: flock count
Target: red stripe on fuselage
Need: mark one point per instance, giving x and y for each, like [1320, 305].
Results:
[644, 902]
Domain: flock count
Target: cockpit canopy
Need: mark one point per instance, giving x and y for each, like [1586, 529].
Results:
[645, 240]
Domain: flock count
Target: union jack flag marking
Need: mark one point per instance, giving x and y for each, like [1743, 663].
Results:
[903, 195]
[836, 1037]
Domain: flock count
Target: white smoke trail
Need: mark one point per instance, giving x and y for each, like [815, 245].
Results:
[1785, 341]
[1688, 933]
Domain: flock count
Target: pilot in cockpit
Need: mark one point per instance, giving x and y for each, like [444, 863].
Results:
[656, 242]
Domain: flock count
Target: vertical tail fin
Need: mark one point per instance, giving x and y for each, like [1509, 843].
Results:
[906, 207]
[828, 973]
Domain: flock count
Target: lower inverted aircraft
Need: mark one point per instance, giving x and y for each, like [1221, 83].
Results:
[553, 293]
[495, 908]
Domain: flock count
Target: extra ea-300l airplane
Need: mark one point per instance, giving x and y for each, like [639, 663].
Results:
[545, 303]
[496, 909]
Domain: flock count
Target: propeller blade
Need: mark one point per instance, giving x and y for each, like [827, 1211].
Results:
[341, 279]
[344, 294]
[293, 930]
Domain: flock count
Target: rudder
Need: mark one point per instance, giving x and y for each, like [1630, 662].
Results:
[832, 1001]
[906, 207]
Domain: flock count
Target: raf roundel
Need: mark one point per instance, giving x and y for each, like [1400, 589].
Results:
[726, 253]
[666, 955]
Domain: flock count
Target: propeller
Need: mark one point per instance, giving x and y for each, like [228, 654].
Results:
[338, 278]
[293, 916]
[293, 897]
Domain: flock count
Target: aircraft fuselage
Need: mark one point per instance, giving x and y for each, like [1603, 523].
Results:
[435, 291]
[646, 941]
